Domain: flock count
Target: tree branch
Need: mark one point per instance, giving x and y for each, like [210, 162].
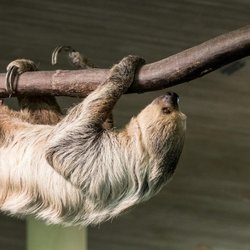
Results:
[182, 67]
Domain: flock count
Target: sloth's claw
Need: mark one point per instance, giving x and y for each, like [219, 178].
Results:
[57, 50]
[14, 69]
[11, 79]
[74, 57]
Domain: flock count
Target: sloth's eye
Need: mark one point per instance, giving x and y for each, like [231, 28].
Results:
[166, 110]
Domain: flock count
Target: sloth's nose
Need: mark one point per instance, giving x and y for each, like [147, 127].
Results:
[172, 98]
[169, 100]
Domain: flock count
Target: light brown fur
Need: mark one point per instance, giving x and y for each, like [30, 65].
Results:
[76, 171]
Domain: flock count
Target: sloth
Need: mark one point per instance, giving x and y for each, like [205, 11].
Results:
[77, 169]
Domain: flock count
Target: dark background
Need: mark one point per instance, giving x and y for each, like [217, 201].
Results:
[207, 204]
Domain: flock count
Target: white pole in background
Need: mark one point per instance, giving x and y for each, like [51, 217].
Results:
[54, 237]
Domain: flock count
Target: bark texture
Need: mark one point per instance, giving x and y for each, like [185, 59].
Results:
[176, 69]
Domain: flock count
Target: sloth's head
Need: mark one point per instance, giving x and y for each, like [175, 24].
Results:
[162, 115]
[161, 121]
[162, 128]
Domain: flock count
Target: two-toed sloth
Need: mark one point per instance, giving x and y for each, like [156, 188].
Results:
[77, 169]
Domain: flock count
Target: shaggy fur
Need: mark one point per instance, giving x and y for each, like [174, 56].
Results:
[75, 171]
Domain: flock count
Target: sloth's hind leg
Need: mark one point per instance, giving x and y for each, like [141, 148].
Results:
[34, 109]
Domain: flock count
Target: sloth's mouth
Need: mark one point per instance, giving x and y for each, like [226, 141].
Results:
[169, 102]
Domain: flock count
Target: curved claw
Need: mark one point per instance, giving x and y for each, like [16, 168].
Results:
[16, 68]
[75, 57]
[57, 50]
[11, 79]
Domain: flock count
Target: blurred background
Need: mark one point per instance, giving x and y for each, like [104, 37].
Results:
[206, 206]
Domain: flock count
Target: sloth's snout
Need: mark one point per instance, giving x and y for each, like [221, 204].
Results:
[170, 101]
[171, 98]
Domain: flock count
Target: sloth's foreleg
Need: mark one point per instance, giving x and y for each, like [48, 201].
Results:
[79, 133]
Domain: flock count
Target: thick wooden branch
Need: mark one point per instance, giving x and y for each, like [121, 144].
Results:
[182, 67]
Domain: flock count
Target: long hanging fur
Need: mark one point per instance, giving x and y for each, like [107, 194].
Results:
[77, 172]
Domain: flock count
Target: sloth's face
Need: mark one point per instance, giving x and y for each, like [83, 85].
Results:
[162, 127]
[162, 118]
